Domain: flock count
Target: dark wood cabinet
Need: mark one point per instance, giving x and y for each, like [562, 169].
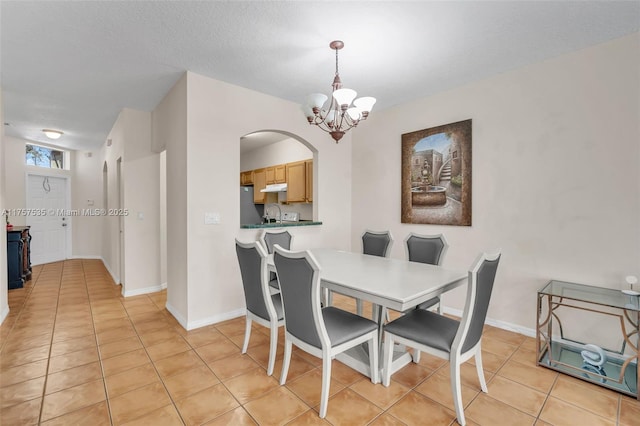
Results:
[18, 256]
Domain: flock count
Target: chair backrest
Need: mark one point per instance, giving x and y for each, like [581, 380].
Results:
[377, 243]
[299, 280]
[429, 249]
[481, 278]
[271, 238]
[253, 267]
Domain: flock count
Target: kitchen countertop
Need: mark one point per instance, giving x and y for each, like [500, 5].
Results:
[279, 225]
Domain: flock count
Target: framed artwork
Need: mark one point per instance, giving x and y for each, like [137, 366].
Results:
[436, 175]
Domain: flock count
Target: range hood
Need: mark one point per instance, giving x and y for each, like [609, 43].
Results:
[276, 187]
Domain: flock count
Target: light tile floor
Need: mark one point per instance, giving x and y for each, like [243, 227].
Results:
[73, 351]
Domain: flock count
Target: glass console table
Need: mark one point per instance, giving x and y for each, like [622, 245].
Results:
[616, 368]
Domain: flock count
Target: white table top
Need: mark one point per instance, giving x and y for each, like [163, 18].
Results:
[393, 283]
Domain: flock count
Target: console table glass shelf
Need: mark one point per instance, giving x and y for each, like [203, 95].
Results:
[561, 353]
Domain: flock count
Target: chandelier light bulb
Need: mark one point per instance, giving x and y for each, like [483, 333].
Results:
[344, 96]
[316, 100]
[365, 103]
[354, 113]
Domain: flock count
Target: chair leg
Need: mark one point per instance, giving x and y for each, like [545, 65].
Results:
[457, 390]
[416, 355]
[373, 358]
[326, 383]
[273, 347]
[388, 357]
[483, 383]
[440, 307]
[285, 361]
[359, 307]
[247, 334]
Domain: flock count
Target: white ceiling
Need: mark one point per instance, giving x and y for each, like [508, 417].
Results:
[74, 65]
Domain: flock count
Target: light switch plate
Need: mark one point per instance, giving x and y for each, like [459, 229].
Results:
[211, 218]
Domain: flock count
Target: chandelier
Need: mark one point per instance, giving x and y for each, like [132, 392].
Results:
[339, 116]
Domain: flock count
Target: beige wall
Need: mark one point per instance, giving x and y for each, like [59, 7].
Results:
[203, 280]
[86, 184]
[169, 130]
[163, 217]
[4, 304]
[140, 170]
[556, 180]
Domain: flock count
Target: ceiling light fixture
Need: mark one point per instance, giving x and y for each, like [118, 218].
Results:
[52, 134]
[340, 117]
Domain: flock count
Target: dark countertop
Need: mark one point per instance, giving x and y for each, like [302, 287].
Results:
[279, 225]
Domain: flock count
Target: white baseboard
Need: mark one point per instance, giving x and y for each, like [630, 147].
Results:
[215, 319]
[4, 313]
[173, 311]
[144, 290]
[115, 278]
[92, 256]
[496, 323]
[191, 325]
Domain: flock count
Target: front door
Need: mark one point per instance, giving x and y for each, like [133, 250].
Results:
[46, 205]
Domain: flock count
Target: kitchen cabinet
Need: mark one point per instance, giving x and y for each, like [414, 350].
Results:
[280, 173]
[259, 182]
[276, 174]
[297, 175]
[246, 178]
[297, 182]
[270, 175]
[309, 180]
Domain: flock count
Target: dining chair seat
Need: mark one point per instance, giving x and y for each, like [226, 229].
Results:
[343, 326]
[427, 328]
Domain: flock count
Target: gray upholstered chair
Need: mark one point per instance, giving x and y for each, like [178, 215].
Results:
[270, 238]
[429, 249]
[375, 243]
[322, 332]
[456, 341]
[262, 307]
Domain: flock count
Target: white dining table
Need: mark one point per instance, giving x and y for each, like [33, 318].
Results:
[385, 282]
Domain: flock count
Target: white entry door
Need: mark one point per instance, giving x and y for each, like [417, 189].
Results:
[46, 202]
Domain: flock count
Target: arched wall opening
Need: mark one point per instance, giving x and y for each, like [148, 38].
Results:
[277, 157]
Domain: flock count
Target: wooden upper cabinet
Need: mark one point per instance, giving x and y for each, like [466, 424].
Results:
[246, 178]
[270, 173]
[276, 174]
[309, 180]
[259, 182]
[296, 182]
[280, 172]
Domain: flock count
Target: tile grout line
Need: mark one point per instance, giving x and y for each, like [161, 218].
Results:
[55, 319]
[95, 334]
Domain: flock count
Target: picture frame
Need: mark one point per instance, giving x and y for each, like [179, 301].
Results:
[436, 175]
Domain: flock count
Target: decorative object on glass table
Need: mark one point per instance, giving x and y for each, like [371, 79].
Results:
[593, 355]
[631, 280]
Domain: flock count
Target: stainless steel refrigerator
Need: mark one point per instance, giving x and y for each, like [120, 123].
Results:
[249, 213]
